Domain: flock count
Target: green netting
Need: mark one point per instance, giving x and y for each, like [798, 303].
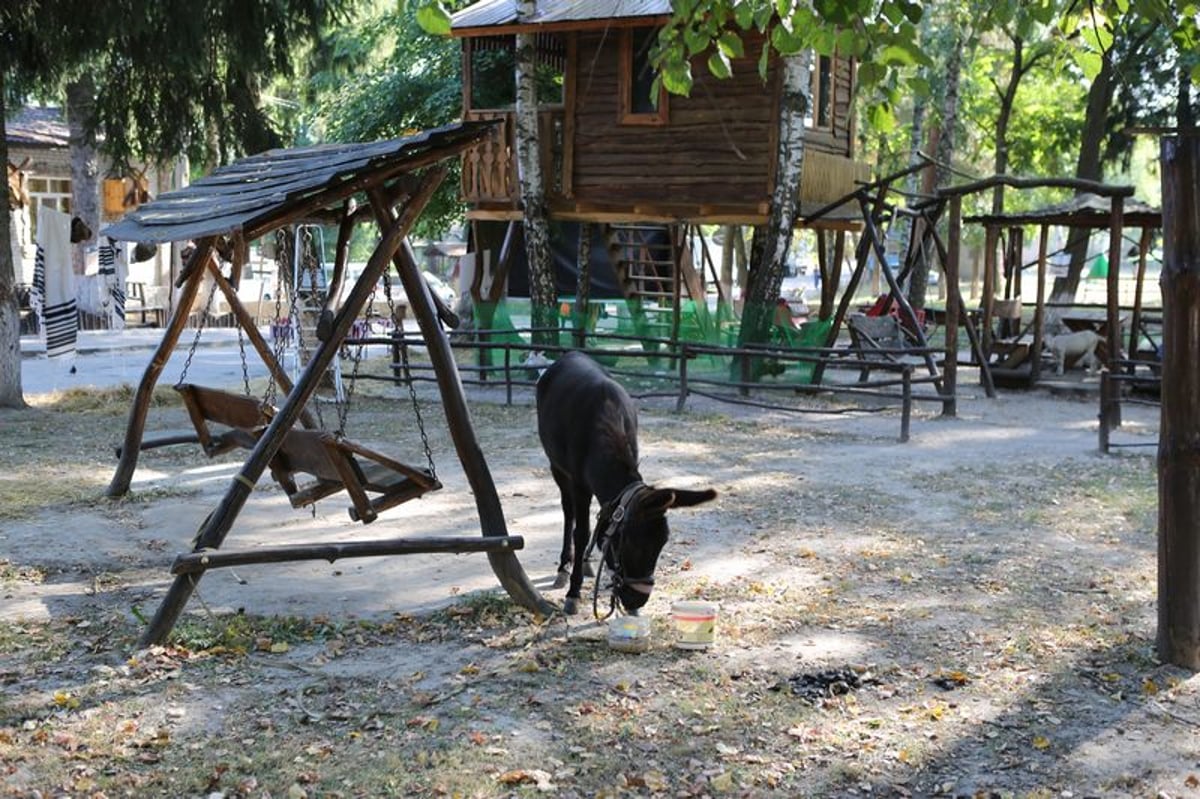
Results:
[495, 317]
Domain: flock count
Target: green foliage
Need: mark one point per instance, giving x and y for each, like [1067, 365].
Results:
[410, 81]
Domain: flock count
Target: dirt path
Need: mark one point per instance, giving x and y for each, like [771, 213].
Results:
[968, 613]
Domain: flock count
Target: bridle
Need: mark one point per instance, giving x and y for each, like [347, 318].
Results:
[609, 535]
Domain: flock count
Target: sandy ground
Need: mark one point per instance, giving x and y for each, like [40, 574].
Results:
[996, 551]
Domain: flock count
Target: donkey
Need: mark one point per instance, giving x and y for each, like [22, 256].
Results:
[588, 428]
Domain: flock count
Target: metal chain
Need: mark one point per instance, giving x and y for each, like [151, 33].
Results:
[279, 336]
[412, 393]
[412, 389]
[308, 264]
[187, 364]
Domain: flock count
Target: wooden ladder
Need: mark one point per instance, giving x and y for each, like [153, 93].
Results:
[644, 257]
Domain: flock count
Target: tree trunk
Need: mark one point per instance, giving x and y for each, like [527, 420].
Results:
[769, 250]
[918, 284]
[10, 310]
[1095, 126]
[542, 295]
[85, 164]
[1178, 638]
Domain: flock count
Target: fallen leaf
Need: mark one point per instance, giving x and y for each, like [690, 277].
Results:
[1041, 742]
[1149, 687]
[723, 782]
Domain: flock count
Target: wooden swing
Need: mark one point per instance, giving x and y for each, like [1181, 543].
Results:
[251, 198]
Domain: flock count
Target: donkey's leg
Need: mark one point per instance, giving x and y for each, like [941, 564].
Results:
[568, 553]
[581, 499]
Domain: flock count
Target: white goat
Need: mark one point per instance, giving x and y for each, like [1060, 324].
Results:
[1080, 344]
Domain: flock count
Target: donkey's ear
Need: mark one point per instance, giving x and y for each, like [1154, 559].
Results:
[686, 499]
[658, 501]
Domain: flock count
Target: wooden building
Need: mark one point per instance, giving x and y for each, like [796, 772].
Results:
[609, 152]
[643, 168]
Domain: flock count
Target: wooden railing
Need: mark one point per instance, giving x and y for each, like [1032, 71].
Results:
[489, 170]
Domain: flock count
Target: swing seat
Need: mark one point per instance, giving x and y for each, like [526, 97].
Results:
[242, 418]
[338, 464]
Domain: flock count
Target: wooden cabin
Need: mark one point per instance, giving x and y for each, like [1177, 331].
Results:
[636, 173]
[611, 154]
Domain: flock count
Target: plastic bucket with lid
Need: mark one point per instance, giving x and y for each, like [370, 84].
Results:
[695, 624]
[629, 633]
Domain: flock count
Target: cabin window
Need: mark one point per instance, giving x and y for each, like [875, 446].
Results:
[820, 113]
[492, 77]
[636, 77]
[52, 192]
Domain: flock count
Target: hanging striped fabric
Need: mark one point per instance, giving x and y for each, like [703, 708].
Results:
[111, 260]
[54, 282]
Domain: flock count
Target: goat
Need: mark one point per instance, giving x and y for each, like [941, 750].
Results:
[587, 425]
[1081, 344]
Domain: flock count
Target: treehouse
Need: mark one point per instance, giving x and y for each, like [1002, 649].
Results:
[614, 155]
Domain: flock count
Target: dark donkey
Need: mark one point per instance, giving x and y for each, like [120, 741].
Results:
[588, 427]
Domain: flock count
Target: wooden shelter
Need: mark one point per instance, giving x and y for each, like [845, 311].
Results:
[1095, 206]
[611, 155]
[256, 196]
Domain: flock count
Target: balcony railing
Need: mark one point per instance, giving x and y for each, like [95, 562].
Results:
[489, 170]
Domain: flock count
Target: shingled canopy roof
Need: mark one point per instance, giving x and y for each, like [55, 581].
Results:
[1083, 211]
[254, 195]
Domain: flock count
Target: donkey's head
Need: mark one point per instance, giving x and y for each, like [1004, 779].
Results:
[635, 535]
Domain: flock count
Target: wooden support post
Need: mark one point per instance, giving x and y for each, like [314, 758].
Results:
[1113, 297]
[458, 417]
[989, 289]
[862, 253]
[1106, 387]
[1039, 314]
[953, 302]
[136, 426]
[985, 371]
[1178, 639]
[683, 380]
[214, 529]
[906, 404]
[1135, 321]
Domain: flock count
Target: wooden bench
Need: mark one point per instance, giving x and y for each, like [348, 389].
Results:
[338, 464]
[136, 303]
[242, 418]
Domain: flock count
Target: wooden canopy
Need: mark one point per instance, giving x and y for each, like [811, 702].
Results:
[1087, 210]
[262, 192]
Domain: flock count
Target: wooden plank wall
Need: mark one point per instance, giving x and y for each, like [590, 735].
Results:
[715, 149]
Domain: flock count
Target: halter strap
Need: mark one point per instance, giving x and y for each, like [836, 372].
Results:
[609, 524]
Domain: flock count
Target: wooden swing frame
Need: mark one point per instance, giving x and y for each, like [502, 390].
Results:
[245, 206]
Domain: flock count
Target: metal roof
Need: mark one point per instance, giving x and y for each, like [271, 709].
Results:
[499, 13]
[253, 192]
[37, 126]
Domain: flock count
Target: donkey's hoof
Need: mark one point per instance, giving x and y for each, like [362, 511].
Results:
[560, 581]
[588, 571]
[571, 605]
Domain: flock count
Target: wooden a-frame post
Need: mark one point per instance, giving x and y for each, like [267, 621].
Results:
[1178, 639]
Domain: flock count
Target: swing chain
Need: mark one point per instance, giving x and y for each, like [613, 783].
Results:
[309, 266]
[412, 389]
[278, 332]
[187, 363]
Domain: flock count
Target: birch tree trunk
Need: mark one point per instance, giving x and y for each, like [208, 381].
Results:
[767, 263]
[10, 311]
[533, 196]
[85, 164]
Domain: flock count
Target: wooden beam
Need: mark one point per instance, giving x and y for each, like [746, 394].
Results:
[950, 265]
[199, 562]
[1113, 296]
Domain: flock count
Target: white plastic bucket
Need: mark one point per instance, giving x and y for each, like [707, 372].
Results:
[695, 624]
